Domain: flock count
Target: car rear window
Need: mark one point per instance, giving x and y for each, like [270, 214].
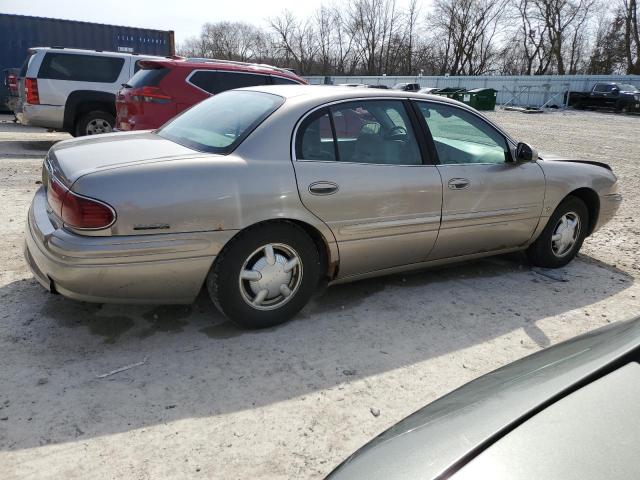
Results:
[80, 68]
[218, 81]
[147, 77]
[220, 123]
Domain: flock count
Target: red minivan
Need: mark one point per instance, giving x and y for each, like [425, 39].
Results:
[163, 88]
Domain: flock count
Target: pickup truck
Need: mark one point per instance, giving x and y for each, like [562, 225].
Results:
[622, 97]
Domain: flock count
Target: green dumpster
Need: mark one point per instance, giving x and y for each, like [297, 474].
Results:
[480, 98]
[450, 92]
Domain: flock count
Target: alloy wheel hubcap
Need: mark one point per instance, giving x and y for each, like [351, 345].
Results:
[270, 276]
[565, 234]
[97, 126]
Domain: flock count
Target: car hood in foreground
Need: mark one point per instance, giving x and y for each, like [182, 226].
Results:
[557, 158]
[441, 437]
[74, 158]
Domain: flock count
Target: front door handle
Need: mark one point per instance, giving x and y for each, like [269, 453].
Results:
[459, 183]
[323, 188]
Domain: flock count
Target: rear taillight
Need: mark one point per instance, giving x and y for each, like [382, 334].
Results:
[31, 91]
[149, 95]
[76, 210]
[86, 213]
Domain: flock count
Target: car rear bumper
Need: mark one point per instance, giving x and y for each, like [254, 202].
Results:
[162, 268]
[609, 205]
[47, 116]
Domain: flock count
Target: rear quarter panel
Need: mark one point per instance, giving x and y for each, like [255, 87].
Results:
[206, 192]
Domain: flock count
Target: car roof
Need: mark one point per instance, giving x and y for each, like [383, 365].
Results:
[213, 64]
[446, 434]
[78, 51]
[329, 93]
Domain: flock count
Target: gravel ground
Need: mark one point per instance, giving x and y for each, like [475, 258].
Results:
[210, 401]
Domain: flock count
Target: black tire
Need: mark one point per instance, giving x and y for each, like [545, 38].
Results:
[231, 295]
[542, 252]
[622, 107]
[98, 119]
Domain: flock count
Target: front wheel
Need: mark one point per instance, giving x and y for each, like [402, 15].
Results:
[562, 238]
[265, 275]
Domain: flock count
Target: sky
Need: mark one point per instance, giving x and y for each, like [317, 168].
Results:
[185, 20]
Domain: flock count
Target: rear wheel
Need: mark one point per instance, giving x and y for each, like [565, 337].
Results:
[562, 238]
[94, 123]
[265, 276]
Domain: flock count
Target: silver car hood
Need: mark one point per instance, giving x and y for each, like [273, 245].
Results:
[74, 158]
[441, 437]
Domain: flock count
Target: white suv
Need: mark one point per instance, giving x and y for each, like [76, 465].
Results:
[73, 90]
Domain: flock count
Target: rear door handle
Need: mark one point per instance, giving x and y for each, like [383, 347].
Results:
[323, 188]
[459, 183]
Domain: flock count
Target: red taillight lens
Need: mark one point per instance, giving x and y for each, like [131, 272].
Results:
[55, 195]
[77, 211]
[31, 91]
[83, 212]
[149, 95]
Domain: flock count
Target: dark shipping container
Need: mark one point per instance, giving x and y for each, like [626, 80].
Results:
[18, 33]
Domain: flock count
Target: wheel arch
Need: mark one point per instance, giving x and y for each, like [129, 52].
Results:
[591, 200]
[81, 102]
[328, 255]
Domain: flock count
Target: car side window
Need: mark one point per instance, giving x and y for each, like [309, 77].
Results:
[283, 81]
[375, 131]
[315, 138]
[231, 80]
[205, 80]
[461, 137]
[80, 68]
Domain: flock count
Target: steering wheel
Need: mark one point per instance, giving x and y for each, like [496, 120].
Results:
[397, 132]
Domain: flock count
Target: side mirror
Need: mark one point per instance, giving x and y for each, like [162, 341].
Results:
[524, 153]
[615, 90]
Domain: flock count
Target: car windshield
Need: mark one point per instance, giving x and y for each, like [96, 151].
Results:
[627, 87]
[220, 123]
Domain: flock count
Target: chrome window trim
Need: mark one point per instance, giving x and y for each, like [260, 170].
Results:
[348, 100]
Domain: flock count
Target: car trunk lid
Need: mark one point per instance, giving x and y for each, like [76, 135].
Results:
[71, 159]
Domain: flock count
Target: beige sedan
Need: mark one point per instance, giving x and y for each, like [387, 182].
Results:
[259, 194]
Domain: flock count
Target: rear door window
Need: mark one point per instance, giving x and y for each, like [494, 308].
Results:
[283, 81]
[80, 68]
[205, 80]
[218, 81]
[376, 131]
[231, 80]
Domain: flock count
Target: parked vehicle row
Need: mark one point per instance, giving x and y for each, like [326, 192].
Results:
[259, 194]
[88, 92]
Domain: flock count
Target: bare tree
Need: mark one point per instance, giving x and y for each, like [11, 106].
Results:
[631, 36]
[468, 31]
[564, 21]
[296, 39]
[457, 37]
